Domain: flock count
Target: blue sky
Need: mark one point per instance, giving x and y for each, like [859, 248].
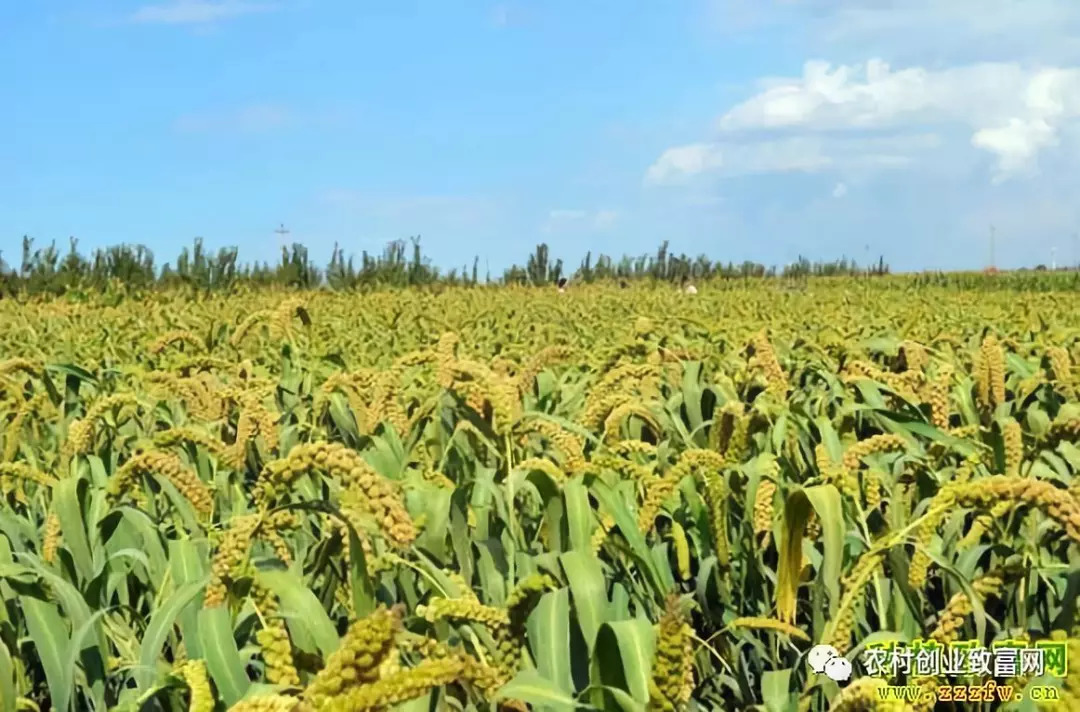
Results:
[742, 129]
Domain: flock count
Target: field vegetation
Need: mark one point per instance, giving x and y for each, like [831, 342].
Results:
[623, 497]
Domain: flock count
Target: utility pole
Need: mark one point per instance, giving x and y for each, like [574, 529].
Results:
[1053, 258]
[281, 233]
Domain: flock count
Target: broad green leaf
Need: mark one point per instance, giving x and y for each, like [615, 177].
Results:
[623, 657]
[548, 629]
[588, 590]
[223, 660]
[530, 686]
[776, 690]
[301, 607]
[187, 564]
[68, 510]
[579, 514]
[50, 636]
[157, 630]
[8, 693]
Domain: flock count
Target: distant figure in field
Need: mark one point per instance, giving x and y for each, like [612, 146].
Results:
[562, 285]
[687, 287]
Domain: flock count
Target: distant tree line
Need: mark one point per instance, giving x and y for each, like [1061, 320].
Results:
[45, 271]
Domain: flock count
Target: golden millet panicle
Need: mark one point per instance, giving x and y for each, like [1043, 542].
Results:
[80, 437]
[985, 521]
[986, 493]
[698, 461]
[959, 607]
[36, 405]
[626, 383]
[463, 609]
[379, 496]
[445, 355]
[569, 444]
[673, 671]
[885, 442]
[761, 623]
[281, 318]
[401, 686]
[178, 336]
[548, 356]
[764, 506]
[524, 595]
[386, 403]
[852, 591]
[1013, 439]
[914, 355]
[51, 540]
[273, 639]
[1060, 364]
[181, 434]
[624, 466]
[618, 415]
[990, 372]
[966, 432]
[245, 327]
[270, 703]
[363, 648]
[716, 493]
[1056, 503]
[11, 472]
[937, 395]
[765, 359]
[657, 490]
[821, 458]
[13, 365]
[500, 392]
[232, 551]
[920, 559]
[167, 466]
[194, 676]
[872, 489]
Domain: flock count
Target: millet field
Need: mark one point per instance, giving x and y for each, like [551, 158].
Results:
[507, 498]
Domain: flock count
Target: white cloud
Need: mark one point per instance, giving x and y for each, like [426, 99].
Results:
[196, 12]
[561, 220]
[1016, 144]
[873, 96]
[1012, 111]
[737, 156]
[840, 190]
[255, 118]
[685, 160]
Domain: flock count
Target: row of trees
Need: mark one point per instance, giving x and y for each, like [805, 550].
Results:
[45, 271]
